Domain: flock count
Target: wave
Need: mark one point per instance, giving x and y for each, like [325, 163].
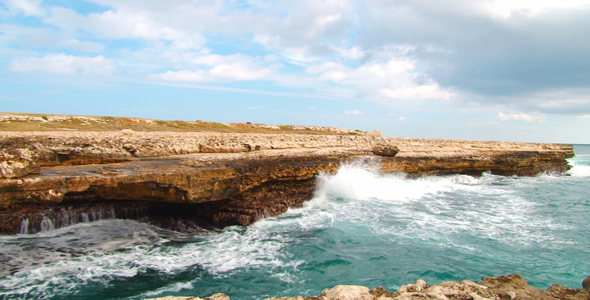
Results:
[435, 208]
[579, 168]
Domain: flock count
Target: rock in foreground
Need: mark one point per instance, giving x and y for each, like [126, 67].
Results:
[491, 288]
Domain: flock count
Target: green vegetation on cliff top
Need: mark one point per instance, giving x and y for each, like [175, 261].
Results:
[47, 122]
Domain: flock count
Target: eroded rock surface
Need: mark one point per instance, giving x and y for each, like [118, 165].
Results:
[491, 288]
[216, 179]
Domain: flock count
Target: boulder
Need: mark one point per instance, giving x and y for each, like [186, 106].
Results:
[419, 286]
[15, 163]
[385, 150]
[348, 292]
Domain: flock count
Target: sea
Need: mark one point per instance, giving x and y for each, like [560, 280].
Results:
[362, 227]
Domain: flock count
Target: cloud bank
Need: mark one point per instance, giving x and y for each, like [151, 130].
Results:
[530, 57]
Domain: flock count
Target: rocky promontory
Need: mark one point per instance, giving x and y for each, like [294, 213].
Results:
[183, 180]
[511, 287]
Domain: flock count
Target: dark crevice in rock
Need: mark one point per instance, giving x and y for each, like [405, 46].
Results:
[97, 203]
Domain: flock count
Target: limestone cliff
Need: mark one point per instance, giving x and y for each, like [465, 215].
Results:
[179, 180]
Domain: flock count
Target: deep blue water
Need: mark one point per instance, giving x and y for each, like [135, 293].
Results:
[362, 227]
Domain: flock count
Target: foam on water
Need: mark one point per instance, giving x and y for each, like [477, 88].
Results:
[427, 208]
[172, 288]
[579, 170]
[51, 263]
[581, 162]
[362, 181]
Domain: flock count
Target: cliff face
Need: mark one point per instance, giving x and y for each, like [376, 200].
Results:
[179, 180]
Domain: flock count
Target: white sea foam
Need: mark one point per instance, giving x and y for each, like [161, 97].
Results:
[173, 288]
[364, 182]
[127, 248]
[432, 208]
[579, 170]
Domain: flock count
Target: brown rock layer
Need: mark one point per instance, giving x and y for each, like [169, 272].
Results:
[491, 288]
[215, 179]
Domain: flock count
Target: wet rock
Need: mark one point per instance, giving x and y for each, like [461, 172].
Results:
[419, 286]
[586, 283]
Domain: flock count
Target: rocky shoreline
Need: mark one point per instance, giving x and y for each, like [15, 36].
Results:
[185, 180]
[511, 287]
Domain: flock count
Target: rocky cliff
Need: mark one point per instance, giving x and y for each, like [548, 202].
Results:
[491, 288]
[183, 180]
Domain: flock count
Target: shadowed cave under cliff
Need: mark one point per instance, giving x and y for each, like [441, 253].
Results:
[98, 203]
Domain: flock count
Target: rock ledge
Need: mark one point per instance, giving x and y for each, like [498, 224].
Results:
[182, 180]
[491, 288]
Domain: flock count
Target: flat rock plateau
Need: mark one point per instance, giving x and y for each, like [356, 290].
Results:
[186, 180]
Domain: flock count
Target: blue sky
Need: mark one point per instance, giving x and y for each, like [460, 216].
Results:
[513, 70]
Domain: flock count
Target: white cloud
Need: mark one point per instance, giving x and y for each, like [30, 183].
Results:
[239, 72]
[352, 53]
[506, 8]
[396, 52]
[520, 117]
[353, 112]
[303, 33]
[183, 75]
[395, 78]
[64, 64]
[402, 118]
[231, 72]
[27, 7]
[256, 107]
[124, 24]
[312, 108]
[329, 66]
[215, 67]
[83, 46]
[430, 91]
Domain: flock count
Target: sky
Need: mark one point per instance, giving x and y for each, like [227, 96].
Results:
[509, 70]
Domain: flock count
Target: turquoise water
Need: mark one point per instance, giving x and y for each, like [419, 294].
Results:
[362, 227]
